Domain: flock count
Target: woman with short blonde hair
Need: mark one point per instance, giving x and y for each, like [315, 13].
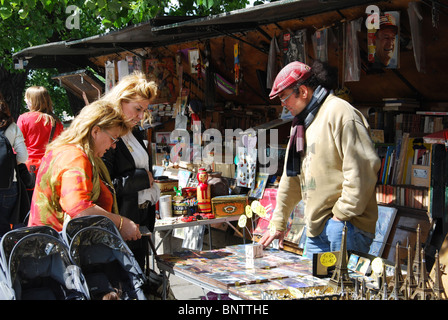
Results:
[130, 163]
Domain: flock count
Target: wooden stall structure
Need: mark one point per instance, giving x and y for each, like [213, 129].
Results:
[222, 61]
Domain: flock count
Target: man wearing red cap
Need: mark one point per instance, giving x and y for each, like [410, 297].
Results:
[330, 164]
[385, 39]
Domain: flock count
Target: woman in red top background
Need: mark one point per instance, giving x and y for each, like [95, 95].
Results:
[37, 124]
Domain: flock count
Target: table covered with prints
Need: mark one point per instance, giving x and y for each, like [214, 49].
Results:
[169, 224]
[224, 271]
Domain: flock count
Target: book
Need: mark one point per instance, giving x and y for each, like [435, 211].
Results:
[399, 107]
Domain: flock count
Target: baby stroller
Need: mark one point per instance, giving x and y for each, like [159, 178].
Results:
[38, 267]
[6, 292]
[106, 261]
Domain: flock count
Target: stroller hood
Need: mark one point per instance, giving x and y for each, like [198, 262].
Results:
[40, 268]
[101, 253]
[77, 224]
[10, 239]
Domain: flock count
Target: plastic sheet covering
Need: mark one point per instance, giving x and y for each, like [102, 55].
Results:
[352, 60]
[415, 21]
[40, 269]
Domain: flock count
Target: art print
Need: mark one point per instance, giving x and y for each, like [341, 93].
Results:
[162, 71]
[386, 217]
[260, 185]
[384, 43]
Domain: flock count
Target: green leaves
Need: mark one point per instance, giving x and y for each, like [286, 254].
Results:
[5, 12]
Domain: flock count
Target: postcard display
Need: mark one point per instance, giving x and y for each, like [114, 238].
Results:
[281, 275]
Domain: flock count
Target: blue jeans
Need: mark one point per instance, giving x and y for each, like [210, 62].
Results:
[331, 237]
[8, 198]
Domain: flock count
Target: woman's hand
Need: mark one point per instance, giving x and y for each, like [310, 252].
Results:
[151, 178]
[130, 230]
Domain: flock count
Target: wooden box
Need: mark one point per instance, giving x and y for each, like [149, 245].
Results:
[223, 206]
[166, 185]
[421, 175]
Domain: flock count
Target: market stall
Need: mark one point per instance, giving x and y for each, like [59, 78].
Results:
[214, 74]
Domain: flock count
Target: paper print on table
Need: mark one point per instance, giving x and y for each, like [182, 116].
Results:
[386, 217]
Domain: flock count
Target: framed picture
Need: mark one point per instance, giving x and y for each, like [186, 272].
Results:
[260, 184]
[194, 59]
[163, 72]
[386, 217]
[384, 43]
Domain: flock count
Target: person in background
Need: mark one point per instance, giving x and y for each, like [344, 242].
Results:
[72, 180]
[39, 126]
[331, 163]
[130, 163]
[10, 198]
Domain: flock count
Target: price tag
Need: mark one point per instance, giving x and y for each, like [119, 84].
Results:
[248, 211]
[328, 259]
[242, 221]
[254, 205]
[261, 211]
[377, 265]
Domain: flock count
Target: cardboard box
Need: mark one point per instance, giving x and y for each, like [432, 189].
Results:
[420, 175]
[223, 206]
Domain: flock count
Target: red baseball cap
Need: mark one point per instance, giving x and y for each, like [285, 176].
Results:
[387, 21]
[292, 73]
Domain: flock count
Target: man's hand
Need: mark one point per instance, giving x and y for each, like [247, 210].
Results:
[267, 238]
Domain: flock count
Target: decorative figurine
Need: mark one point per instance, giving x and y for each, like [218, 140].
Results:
[340, 278]
[397, 293]
[203, 192]
[423, 291]
[439, 291]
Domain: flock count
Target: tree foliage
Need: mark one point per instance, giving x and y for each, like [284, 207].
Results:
[26, 23]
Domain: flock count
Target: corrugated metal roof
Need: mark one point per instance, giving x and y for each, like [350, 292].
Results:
[171, 30]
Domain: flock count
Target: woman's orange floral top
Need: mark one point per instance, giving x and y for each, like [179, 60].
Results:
[65, 186]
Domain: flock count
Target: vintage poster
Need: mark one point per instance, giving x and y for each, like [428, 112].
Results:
[384, 43]
[246, 161]
[110, 75]
[260, 185]
[163, 71]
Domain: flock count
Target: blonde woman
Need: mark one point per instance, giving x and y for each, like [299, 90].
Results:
[39, 125]
[130, 164]
[72, 181]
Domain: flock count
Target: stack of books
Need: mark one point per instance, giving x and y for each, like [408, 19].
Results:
[400, 104]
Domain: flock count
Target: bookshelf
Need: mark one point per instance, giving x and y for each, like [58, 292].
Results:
[413, 174]
[409, 166]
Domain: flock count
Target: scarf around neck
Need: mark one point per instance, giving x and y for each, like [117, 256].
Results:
[299, 124]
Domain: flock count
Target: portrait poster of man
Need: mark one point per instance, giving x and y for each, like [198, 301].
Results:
[383, 43]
